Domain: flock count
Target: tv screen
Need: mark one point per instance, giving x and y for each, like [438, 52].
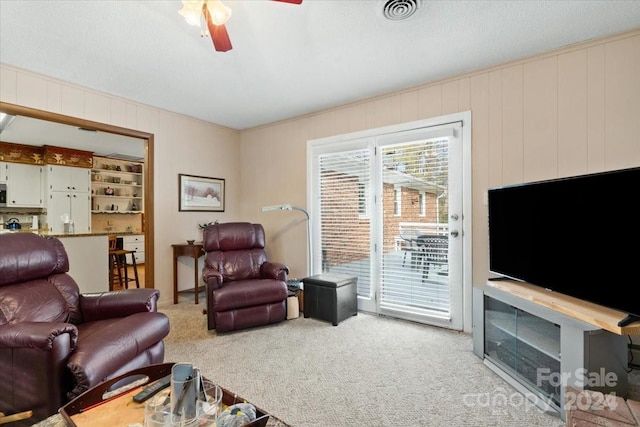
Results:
[579, 236]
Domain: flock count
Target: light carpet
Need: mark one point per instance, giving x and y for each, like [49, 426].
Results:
[367, 371]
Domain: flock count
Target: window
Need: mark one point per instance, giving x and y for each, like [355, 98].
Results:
[423, 203]
[397, 201]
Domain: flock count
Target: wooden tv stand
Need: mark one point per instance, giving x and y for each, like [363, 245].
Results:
[531, 337]
[588, 312]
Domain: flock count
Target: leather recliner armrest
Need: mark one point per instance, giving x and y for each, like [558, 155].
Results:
[40, 335]
[212, 277]
[33, 364]
[117, 304]
[274, 270]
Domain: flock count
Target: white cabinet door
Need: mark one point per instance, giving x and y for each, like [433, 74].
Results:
[58, 178]
[64, 178]
[69, 195]
[3, 172]
[59, 204]
[75, 205]
[81, 212]
[24, 185]
[80, 180]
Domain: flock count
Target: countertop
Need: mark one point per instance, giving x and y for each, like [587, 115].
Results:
[47, 233]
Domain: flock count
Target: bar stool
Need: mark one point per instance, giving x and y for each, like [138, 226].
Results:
[118, 271]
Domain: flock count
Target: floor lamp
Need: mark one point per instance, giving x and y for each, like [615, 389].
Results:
[288, 207]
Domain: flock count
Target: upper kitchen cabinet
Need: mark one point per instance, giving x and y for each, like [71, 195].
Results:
[25, 170]
[24, 185]
[3, 172]
[64, 178]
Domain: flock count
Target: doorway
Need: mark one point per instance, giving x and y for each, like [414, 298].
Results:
[145, 138]
[388, 206]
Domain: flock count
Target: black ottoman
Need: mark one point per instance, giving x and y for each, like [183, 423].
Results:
[330, 296]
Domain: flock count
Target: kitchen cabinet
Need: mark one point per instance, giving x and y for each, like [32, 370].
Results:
[4, 166]
[64, 178]
[24, 185]
[69, 194]
[117, 186]
[135, 243]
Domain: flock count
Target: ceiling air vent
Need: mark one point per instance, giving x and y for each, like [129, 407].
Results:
[398, 10]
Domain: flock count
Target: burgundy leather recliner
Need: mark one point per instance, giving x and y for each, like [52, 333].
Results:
[56, 343]
[243, 288]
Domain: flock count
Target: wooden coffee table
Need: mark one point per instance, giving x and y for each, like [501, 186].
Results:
[100, 406]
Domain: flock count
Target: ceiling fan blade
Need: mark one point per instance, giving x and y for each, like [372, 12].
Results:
[219, 35]
[290, 1]
[220, 38]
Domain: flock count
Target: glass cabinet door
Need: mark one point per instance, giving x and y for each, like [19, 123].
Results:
[524, 345]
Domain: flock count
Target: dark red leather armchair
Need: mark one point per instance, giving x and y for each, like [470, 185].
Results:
[56, 343]
[243, 288]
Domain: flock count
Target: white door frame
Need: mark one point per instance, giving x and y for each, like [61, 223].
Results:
[466, 224]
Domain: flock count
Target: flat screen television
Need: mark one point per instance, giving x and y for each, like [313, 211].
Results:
[579, 236]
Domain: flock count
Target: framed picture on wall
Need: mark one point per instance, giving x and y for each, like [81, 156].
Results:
[200, 193]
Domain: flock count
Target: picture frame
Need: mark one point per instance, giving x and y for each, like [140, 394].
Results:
[200, 193]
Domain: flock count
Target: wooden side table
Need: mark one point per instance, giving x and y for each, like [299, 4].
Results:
[194, 251]
[300, 294]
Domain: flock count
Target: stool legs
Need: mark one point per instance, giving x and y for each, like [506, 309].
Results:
[118, 269]
[115, 271]
[135, 269]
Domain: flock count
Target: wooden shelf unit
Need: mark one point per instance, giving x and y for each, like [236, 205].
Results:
[128, 191]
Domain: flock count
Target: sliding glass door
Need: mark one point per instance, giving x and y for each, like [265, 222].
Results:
[421, 257]
[387, 208]
[344, 177]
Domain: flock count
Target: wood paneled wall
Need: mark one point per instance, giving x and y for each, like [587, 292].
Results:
[567, 112]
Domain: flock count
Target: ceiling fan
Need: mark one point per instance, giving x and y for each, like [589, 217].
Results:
[215, 16]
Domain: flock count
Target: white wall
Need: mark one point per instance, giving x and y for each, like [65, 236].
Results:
[91, 273]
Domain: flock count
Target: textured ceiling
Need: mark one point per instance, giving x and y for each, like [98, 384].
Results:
[286, 60]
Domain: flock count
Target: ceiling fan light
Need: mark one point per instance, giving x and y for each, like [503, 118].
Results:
[219, 13]
[191, 11]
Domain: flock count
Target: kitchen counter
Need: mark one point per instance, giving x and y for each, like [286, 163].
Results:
[47, 233]
[88, 256]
